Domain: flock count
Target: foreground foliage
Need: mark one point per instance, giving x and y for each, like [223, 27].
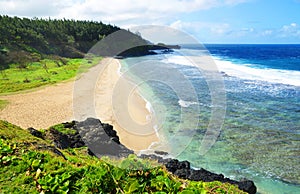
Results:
[27, 165]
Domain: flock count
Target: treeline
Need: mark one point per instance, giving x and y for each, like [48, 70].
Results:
[22, 38]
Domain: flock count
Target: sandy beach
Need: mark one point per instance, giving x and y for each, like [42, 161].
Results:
[116, 101]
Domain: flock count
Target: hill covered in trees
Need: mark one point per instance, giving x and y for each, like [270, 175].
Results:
[23, 38]
[35, 52]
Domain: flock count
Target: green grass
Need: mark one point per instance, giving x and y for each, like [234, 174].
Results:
[3, 104]
[28, 166]
[64, 130]
[42, 73]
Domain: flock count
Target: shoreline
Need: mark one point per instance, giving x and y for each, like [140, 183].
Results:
[134, 128]
[51, 105]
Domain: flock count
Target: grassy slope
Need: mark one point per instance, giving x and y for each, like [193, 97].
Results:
[28, 166]
[41, 73]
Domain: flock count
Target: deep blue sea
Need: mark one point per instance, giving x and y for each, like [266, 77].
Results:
[259, 138]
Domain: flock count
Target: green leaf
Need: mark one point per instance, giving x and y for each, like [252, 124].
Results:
[118, 173]
[132, 186]
[36, 163]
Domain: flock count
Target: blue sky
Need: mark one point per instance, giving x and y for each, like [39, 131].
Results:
[209, 21]
[259, 21]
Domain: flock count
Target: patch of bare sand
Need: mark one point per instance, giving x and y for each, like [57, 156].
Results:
[54, 104]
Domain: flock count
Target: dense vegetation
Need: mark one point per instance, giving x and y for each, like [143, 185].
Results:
[35, 52]
[32, 165]
[66, 38]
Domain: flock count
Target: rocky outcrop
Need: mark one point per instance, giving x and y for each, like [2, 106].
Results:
[64, 141]
[147, 49]
[182, 169]
[101, 138]
[35, 132]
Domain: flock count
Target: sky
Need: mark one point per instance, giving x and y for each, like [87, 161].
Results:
[208, 21]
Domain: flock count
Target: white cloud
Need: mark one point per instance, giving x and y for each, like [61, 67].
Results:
[31, 8]
[291, 30]
[117, 11]
[141, 12]
[215, 29]
[293, 24]
[267, 32]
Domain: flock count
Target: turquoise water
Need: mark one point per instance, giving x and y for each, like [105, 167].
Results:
[260, 137]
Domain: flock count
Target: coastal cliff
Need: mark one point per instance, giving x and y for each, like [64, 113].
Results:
[102, 140]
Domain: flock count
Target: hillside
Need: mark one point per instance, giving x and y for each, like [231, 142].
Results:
[65, 38]
[36, 165]
[36, 52]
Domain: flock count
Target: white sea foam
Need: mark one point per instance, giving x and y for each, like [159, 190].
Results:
[176, 59]
[148, 106]
[149, 117]
[186, 104]
[119, 68]
[246, 71]
[150, 110]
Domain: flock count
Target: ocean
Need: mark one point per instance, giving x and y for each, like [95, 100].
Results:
[250, 113]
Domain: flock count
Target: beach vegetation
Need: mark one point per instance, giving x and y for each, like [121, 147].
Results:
[47, 71]
[29, 165]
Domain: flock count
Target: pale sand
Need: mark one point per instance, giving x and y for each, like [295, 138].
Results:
[114, 94]
[54, 104]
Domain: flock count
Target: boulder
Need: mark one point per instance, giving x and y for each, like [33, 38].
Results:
[101, 138]
[35, 132]
[64, 141]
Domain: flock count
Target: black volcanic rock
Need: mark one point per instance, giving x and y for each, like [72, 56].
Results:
[206, 176]
[101, 138]
[175, 164]
[64, 141]
[183, 170]
[248, 186]
[69, 125]
[35, 132]
[162, 153]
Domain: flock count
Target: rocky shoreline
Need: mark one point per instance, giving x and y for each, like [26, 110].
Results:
[102, 140]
